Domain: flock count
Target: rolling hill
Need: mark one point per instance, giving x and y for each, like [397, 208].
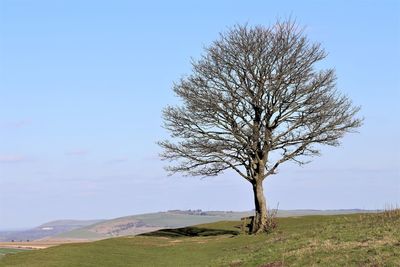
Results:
[137, 224]
[45, 230]
[334, 240]
[70, 230]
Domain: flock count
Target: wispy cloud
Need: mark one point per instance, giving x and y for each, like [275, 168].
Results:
[77, 152]
[117, 160]
[12, 159]
[15, 124]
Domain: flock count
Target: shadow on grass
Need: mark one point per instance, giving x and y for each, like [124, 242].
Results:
[190, 231]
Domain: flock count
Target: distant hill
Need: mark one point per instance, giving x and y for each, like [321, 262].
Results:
[45, 230]
[143, 223]
[137, 224]
[334, 240]
[71, 223]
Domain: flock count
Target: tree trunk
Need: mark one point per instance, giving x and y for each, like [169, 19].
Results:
[260, 219]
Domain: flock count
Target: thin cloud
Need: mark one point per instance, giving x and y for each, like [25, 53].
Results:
[77, 152]
[12, 159]
[117, 160]
[16, 124]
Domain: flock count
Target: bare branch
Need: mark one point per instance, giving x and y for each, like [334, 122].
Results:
[254, 92]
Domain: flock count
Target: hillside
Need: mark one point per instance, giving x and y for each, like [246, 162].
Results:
[137, 224]
[45, 230]
[143, 223]
[70, 230]
[72, 223]
[337, 240]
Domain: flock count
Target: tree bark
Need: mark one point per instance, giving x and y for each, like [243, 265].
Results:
[259, 224]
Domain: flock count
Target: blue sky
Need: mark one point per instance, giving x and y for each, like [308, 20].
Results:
[83, 83]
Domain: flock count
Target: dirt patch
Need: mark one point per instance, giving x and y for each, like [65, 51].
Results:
[175, 241]
[272, 264]
[38, 244]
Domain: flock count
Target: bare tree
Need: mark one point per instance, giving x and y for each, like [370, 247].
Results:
[255, 100]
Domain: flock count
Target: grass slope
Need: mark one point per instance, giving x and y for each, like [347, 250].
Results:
[45, 230]
[339, 240]
[78, 223]
[136, 224]
[110, 228]
[4, 251]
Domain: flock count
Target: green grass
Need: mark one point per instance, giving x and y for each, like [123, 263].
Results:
[159, 219]
[4, 251]
[81, 233]
[172, 219]
[340, 240]
[178, 220]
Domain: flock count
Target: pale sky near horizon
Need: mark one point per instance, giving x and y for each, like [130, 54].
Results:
[83, 83]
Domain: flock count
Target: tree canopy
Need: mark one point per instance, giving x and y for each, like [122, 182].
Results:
[254, 100]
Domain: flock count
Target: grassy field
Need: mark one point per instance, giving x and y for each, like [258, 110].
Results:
[136, 224]
[4, 251]
[111, 228]
[339, 240]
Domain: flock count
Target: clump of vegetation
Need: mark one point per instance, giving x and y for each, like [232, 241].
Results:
[390, 212]
[247, 223]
